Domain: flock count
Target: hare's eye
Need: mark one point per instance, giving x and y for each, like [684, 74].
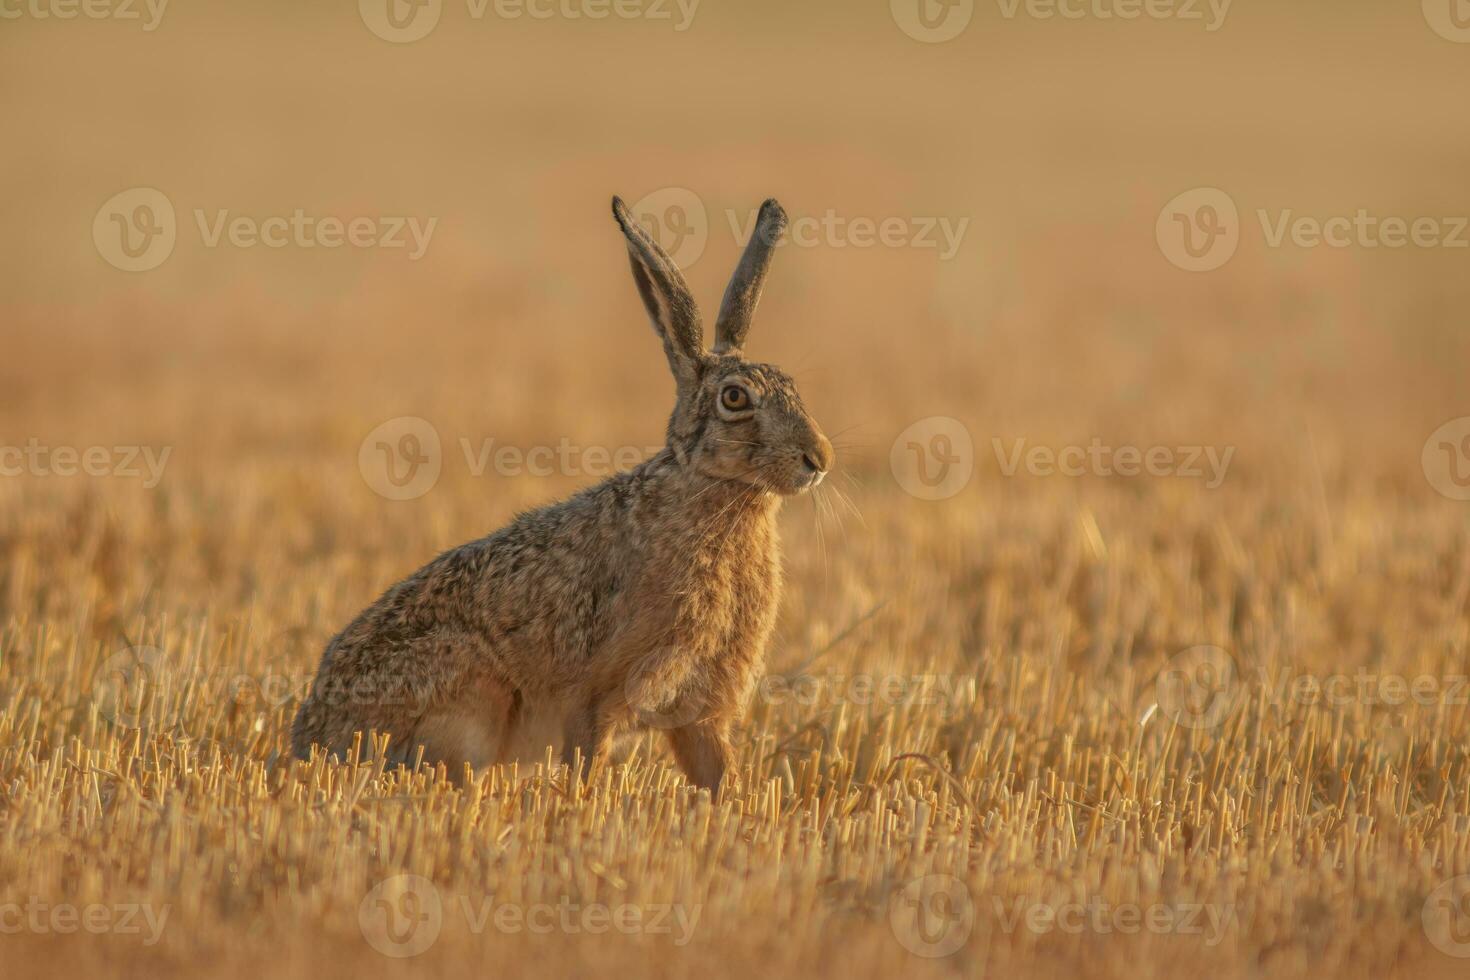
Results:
[735, 398]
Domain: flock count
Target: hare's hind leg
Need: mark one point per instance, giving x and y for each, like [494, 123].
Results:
[472, 730]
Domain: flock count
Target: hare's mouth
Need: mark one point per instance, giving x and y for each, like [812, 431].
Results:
[803, 480]
[787, 473]
[814, 469]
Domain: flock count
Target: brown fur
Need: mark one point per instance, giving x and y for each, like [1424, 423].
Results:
[647, 599]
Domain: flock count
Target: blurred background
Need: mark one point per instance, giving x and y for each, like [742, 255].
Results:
[1053, 142]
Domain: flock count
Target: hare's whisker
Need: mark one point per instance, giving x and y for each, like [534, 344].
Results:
[716, 483]
[845, 430]
[848, 502]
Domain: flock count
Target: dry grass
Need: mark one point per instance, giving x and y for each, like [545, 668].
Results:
[1017, 631]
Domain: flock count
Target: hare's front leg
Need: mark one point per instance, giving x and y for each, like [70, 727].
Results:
[588, 734]
[704, 751]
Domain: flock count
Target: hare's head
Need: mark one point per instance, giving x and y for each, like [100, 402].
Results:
[734, 419]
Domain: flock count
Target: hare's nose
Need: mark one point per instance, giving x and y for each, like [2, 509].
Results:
[818, 458]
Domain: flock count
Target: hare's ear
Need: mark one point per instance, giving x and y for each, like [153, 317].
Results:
[744, 291]
[666, 296]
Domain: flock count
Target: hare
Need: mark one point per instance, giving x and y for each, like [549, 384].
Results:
[647, 599]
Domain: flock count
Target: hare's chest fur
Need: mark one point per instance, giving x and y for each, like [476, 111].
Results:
[704, 605]
[718, 585]
[730, 587]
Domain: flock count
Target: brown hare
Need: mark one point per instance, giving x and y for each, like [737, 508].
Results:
[647, 599]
